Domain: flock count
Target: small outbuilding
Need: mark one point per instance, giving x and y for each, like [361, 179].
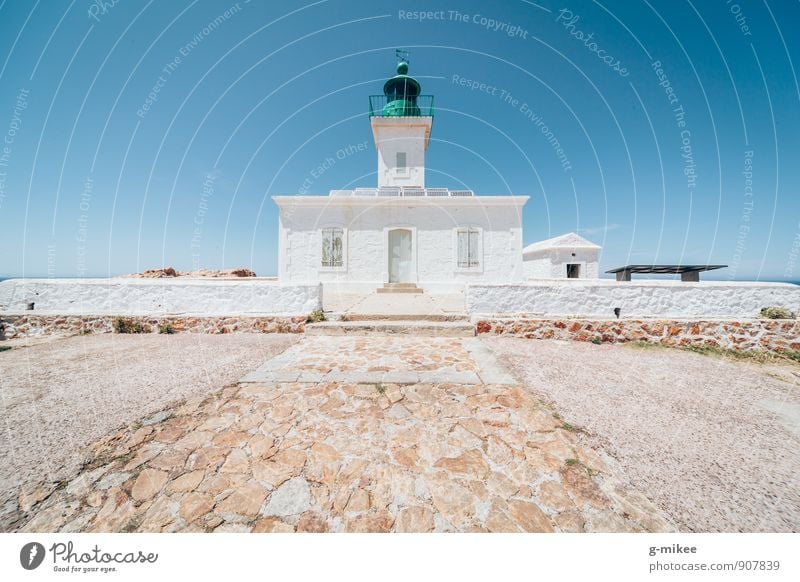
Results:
[568, 256]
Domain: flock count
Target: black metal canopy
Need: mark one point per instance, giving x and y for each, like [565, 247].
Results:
[689, 273]
[666, 269]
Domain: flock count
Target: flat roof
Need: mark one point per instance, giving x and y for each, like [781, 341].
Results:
[326, 201]
[402, 191]
[665, 269]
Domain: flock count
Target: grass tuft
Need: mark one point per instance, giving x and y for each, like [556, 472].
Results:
[166, 328]
[776, 313]
[762, 357]
[128, 325]
[794, 356]
[315, 316]
[642, 344]
[757, 356]
[577, 463]
[572, 428]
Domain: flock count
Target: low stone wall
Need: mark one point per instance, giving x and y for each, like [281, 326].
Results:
[157, 297]
[759, 334]
[21, 326]
[586, 298]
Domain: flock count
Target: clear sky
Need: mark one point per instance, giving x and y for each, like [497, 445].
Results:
[141, 134]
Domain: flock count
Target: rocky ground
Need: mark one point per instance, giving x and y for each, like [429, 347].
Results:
[356, 454]
[169, 272]
[714, 442]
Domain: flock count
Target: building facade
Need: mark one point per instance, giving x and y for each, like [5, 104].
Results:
[400, 232]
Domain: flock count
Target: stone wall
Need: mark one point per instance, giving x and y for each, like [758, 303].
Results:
[161, 297]
[757, 334]
[775, 335]
[636, 299]
[22, 326]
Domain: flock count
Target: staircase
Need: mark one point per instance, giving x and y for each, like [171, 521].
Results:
[398, 309]
[412, 327]
[399, 288]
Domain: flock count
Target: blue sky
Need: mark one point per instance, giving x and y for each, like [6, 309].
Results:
[141, 134]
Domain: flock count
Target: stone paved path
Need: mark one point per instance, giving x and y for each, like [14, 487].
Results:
[367, 434]
[371, 359]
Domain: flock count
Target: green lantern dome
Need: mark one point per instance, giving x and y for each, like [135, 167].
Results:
[401, 93]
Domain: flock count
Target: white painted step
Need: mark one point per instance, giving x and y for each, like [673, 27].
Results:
[393, 327]
[419, 317]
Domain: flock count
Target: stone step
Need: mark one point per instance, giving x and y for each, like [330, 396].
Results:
[399, 317]
[393, 289]
[393, 327]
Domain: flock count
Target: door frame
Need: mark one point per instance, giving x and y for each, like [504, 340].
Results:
[386, 230]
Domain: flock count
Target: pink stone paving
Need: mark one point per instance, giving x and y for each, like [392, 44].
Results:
[314, 455]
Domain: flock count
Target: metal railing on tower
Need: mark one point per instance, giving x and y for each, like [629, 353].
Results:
[419, 106]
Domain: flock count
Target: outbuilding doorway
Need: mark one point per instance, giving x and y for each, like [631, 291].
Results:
[573, 271]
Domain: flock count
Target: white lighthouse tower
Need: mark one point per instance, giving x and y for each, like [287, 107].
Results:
[401, 121]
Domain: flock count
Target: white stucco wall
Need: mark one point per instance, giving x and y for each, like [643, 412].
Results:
[158, 296]
[578, 297]
[586, 258]
[433, 247]
[552, 264]
[537, 268]
[407, 135]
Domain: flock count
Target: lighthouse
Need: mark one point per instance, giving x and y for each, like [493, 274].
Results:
[400, 236]
[401, 122]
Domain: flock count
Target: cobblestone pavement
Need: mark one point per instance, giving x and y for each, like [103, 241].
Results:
[356, 454]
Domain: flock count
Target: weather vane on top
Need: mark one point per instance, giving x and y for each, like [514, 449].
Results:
[402, 55]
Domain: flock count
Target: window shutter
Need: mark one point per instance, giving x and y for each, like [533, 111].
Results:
[463, 249]
[473, 248]
[332, 247]
[337, 247]
[326, 249]
[468, 248]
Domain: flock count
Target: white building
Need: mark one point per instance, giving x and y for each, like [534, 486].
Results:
[400, 232]
[568, 256]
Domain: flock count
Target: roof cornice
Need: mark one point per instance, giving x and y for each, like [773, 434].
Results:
[425, 201]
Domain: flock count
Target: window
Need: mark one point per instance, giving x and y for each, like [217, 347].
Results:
[401, 166]
[468, 248]
[573, 271]
[332, 247]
